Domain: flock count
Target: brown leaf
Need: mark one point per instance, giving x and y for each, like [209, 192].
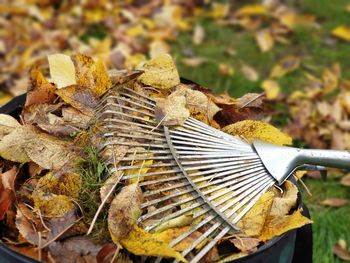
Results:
[282, 205]
[108, 185]
[245, 244]
[172, 111]
[285, 65]
[345, 180]
[123, 76]
[334, 202]
[7, 190]
[341, 252]
[254, 100]
[250, 73]
[106, 254]
[124, 211]
[7, 124]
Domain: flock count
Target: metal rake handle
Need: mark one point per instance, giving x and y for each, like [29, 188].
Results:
[282, 161]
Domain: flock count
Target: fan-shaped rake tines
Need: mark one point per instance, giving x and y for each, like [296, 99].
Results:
[193, 170]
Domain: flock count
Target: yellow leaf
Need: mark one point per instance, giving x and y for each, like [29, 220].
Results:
[250, 130]
[234, 256]
[160, 72]
[253, 221]
[133, 61]
[292, 20]
[158, 48]
[286, 65]
[62, 70]
[136, 30]
[140, 242]
[226, 69]
[252, 10]
[275, 226]
[218, 10]
[179, 221]
[342, 32]
[7, 124]
[330, 81]
[139, 171]
[264, 39]
[271, 88]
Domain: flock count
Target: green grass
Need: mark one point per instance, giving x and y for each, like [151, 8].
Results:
[318, 51]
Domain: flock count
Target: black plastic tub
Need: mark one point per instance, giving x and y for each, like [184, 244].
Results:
[292, 247]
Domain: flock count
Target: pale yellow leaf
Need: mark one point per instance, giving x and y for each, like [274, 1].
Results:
[245, 243]
[172, 111]
[140, 242]
[194, 61]
[264, 39]
[282, 205]
[250, 73]
[157, 48]
[198, 35]
[252, 10]
[179, 221]
[271, 88]
[251, 129]
[62, 70]
[160, 72]
[275, 226]
[334, 202]
[285, 65]
[342, 32]
[7, 124]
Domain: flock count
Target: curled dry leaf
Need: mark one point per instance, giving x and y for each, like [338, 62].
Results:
[160, 72]
[345, 180]
[172, 111]
[123, 76]
[108, 184]
[140, 242]
[62, 70]
[124, 211]
[251, 100]
[245, 244]
[282, 205]
[7, 125]
[341, 251]
[334, 202]
[250, 130]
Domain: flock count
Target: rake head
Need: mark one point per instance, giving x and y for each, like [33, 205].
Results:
[192, 170]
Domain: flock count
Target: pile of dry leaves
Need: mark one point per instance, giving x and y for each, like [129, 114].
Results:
[58, 201]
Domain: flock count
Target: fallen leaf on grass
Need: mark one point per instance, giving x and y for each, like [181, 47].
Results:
[250, 129]
[62, 70]
[334, 202]
[160, 72]
[285, 66]
[264, 39]
[198, 35]
[271, 88]
[140, 242]
[226, 69]
[345, 180]
[172, 111]
[275, 226]
[341, 251]
[124, 211]
[252, 10]
[194, 61]
[250, 73]
[342, 32]
[330, 81]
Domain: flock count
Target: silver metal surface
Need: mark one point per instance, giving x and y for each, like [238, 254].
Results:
[194, 169]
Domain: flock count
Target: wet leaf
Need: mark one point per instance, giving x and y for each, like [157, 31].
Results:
[140, 242]
[285, 66]
[172, 111]
[160, 72]
[62, 70]
[264, 39]
[334, 202]
[250, 130]
[342, 32]
[179, 221]
[271, 88]
[275, 226]
[124, 211]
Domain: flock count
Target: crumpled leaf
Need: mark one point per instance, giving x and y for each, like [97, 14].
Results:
[252, 223]
[7, 190]
[160, 72]
[124, 211]
[171, 110]
[123, 76]
[250, 130]
[264, 39]
[275, 226]
[245, 244]
[62, 70]
[140, 242]
[342, 32]
[285, 66]
[271, 88]
[7, 124]
[341, 250]
[334, 202]
[282, 205]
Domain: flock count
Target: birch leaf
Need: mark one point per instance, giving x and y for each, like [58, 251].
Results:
[250, 130]
[160, 72]
[62, 70]
[140, 242]
[124, 211]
